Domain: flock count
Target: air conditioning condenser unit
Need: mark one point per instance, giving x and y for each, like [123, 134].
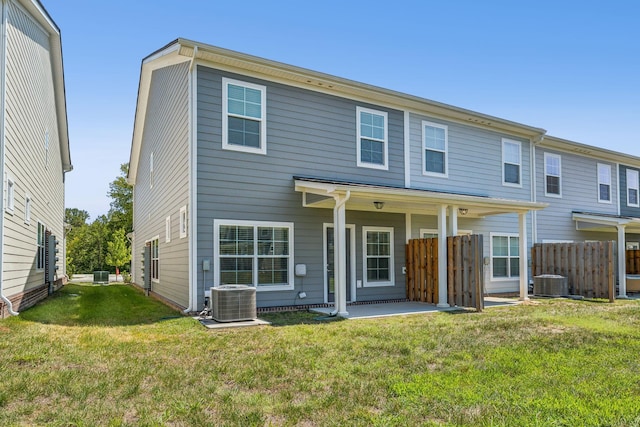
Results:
[233, 303]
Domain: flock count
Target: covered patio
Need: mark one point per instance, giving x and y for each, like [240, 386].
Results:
[621, 225]
[341, 196]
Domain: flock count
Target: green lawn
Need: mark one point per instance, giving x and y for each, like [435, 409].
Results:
[107, 355]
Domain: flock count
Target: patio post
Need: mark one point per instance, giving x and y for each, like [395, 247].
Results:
[622, 264]
[442, 256]
[339, 253]
[524, 258]
[453, 221]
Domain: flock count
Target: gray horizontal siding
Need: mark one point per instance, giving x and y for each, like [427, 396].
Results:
[166, 134]
[474, 161]
[579, 181]
[626, 210]
[308, 133]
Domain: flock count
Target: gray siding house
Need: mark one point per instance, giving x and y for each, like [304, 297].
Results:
[308, 186]
[34, 148]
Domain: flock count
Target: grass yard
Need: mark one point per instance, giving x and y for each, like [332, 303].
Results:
[107, 355]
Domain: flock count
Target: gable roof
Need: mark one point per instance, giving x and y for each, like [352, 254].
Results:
[181, 50]
[40, 14]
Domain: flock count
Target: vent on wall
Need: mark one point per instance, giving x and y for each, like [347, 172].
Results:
[233, 303]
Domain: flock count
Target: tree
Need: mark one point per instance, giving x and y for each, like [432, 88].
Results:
[121, 194]
[75, 217]
[117, 252]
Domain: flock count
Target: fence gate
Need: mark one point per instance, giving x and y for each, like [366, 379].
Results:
[465, 278]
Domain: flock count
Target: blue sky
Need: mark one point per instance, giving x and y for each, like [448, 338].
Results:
[571, 67]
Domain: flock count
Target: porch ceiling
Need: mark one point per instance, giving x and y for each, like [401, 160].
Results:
[318, 193]
[587, 221]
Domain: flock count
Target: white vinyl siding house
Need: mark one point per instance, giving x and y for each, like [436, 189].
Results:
[36, 152]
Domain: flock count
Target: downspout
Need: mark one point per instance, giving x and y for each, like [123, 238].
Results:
[192, 214]
[534, 188]
[337, 253]
[3, 90]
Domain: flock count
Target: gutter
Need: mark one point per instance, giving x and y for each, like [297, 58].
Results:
[3, 90]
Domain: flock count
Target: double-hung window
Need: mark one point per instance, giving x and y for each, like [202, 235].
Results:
[552, 175]
[505, 256]
[632, 188]
[373, 143]
[40, 245]
[258, 254]
[155, 259]
[435, 139]
[378, 256]
[11, 195]
[511, 163]
[244, 111]
[604, 183]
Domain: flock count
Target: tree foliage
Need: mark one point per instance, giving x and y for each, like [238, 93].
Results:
[103, 242]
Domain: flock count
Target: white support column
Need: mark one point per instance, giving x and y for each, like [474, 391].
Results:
[622, 266]
[407, 226]
[340, 254]
[453, 221]
[442, 256]
[524, 257]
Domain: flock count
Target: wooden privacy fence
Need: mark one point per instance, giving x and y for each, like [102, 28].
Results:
[588, 267]
[633, 261]
[465, 278]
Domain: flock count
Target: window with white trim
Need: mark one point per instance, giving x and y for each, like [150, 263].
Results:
[632, 188]
[167, 229]
[604, 183]
[40, 244]
[633, 246]
[10, 199]
[256, 253]
[436, 140]
[372, 141]
[244, 112]
[431, 233]
[155, 259]
[183, 222]
[27, 209]
[511, 163]
[552, 175]
[505, 256]
[378, 256]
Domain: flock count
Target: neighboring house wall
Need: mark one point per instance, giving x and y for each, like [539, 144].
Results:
[162, 185]
[474, 161]
[309, 134]
[626, 206]
[32, 152]
[579, 192]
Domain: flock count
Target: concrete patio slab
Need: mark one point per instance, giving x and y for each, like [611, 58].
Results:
[212, 324]
[363, 311]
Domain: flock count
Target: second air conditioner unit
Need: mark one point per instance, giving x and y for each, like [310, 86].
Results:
[233, 303]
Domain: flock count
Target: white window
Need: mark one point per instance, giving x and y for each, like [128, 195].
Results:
[430, 233]
[632, 188]
[155, 259]
[10, 199]
[151, 175]
[244, 112]
[604, 183]
[377, 243]
[40, 244]
[505, 256]
[372, 141]
[27, 209]
[256, 253]
[633, 246]
[552, 175]
[511, 163]
[183, 222]
[435, 139]
[167, 229]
